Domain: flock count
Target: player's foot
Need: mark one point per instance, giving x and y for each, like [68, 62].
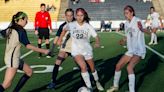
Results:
[99, 86]
[90, 89]
[155, 43]
[150, 43]
[51, 85]
[39, 57]
[113, 89]
[48, 56]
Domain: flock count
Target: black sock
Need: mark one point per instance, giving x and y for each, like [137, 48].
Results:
[53, 47]
[1, 88]
[48, 46]
[21, 82]
[40, 46]
[55, 73]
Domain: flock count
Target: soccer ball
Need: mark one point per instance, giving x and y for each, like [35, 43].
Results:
[83, 89]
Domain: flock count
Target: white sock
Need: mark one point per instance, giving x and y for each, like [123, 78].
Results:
[86, 79]
[117, 76]
[152, 38]
[95, 76]
[131, 82]
[155, 38]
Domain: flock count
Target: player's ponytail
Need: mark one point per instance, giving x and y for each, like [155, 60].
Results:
[13, 24]
[86, 17]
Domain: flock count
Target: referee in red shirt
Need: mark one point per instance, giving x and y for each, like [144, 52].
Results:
[42, 26]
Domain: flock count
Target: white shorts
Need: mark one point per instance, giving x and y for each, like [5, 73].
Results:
[142, 55]
[87, 55]
[155, 25]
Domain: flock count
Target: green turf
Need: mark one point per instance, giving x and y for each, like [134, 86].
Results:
[149, 72]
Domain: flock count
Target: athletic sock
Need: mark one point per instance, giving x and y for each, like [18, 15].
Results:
[1, 88]
[21, 82]
[86, 79]
[131, 82]
[117, 76]
[55, 73]
[40, 46]
[48, 46]
[95, 76]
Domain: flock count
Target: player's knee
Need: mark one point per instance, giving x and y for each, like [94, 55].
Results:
[7, 84]
[118, 67]
[29, 72]
[130, 69]
[83, 68]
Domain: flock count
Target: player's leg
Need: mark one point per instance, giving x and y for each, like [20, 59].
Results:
[61, 57]
[47, 37]
[155, 36]
[9, 75]
[122, 62]
[54, 43]
[40, 37]
[130, 68]
[94, 73]
[84, 73]
[28, 73]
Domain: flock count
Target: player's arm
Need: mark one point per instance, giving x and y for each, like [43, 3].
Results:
[49, 23]
[61, 37]
[141, 28]
[30, 46]
[36, 24]
[97, 42]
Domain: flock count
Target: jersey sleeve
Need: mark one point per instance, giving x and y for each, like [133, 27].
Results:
[92, 31]
[66, 27]
[23, 38]
[59, 31]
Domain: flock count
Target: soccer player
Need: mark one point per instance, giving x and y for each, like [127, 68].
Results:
[155, 25]
[15, 36]
[42, 26]
[65, 49]
[81, 31]
[134, 30]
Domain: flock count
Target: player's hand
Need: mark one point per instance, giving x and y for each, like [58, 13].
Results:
[36, 32]
[59, 42]
[122, 42]
[46, 52]
[50, 31]
[97, 45]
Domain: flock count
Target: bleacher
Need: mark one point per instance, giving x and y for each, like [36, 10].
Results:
[28, 6]
[112, 9]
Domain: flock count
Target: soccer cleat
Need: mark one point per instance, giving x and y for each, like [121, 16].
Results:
[99, 86]
[150, 43]
[112, 89]
[155, 43]
[48, 56]
[51, 85]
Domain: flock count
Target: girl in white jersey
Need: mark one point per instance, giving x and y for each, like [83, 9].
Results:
[155, 25]
[16, 36]
[81, 31]
[136, 49]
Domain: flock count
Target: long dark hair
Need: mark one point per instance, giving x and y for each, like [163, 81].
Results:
[130, 8]
[86, 17]
[13, 25]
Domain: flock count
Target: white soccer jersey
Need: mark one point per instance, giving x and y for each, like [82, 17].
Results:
[155, 19]
[135, 38]
[80, 35]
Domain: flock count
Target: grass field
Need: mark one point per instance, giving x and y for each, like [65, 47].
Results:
[149, 72]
